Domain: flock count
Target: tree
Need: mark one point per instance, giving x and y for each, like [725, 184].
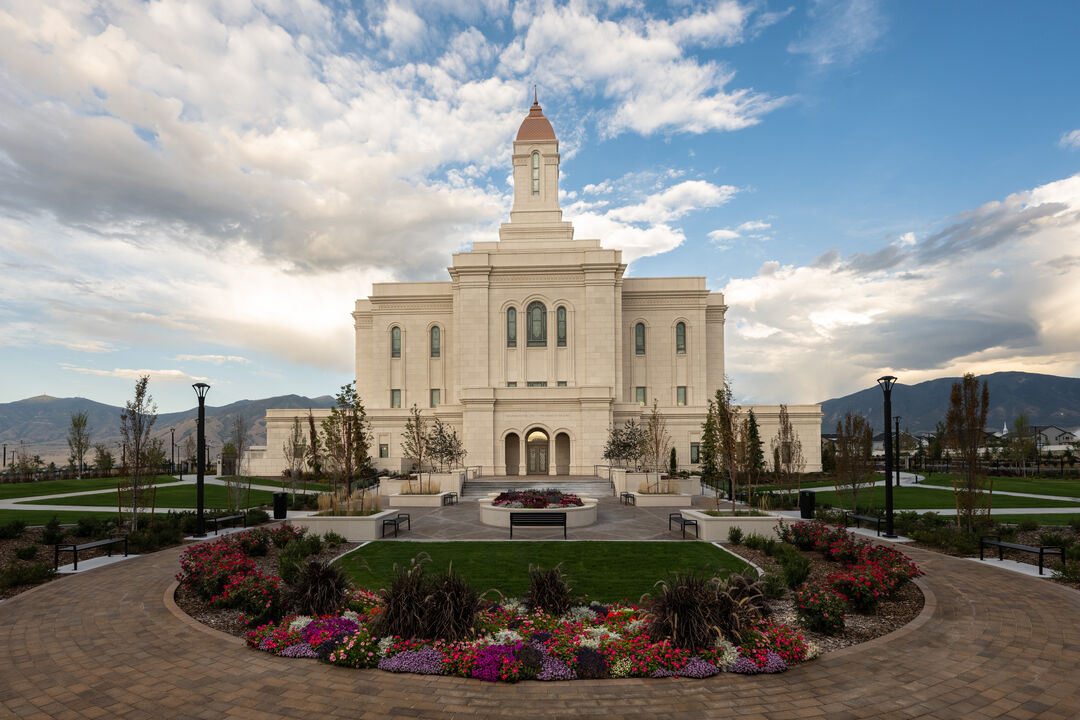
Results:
[727, 435]
[708, 448]
[1020, 445]
[24, 464]
[314, 450]
[854, 467]
[964, 432]
[787, 451]
[293, 449]
[239, 496]
[673, 466]
[190, 451]
[103, 459]
[657, 442]
[624, 445]
[136, 422]
[752, 454]
[828, 457]
[347, 438]
[78, 439]
[414, 443]
[444, 445]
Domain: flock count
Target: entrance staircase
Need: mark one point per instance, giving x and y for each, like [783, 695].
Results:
[588, 485]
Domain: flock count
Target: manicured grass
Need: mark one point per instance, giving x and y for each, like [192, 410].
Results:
[167, 497]
[1038, 486]
[605, 571]
[52, 487]
[908, 498]
[1042, 519]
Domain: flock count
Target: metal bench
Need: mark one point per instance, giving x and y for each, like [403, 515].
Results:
[554, 519]
[395, 522]
[86, 546]
[1041, 551]
[216, 521]
[628, 498]
[683, 523]
[450, 498]
[864, 518]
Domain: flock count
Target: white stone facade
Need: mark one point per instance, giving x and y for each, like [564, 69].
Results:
[568, 364]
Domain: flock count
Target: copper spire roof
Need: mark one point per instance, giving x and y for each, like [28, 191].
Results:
[535, 126]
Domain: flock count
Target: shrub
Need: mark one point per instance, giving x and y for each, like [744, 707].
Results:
[12, 530]
[404, 602]
[320, 590]
[282, 535]
[26, 553]
[93, 527]
[291, 562]
[1027, 525]
[693, 610]
[256, 516]
[53, 533]
[548, 590]
[1074, 523]
[774, 586]
[15, 574]
[333, 539]
[734, 535]
[531, 661]
[256, 595]
[253, 543]
[820, 609]
[589, 664]
[754, 541]
[155, 535]
[205, 568]
[1072, 552]
[795, 567]
[1055, 538]
[861, 587]
[452, 608]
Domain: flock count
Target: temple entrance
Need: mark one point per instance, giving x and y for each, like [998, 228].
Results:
[536, 448]
[562, 454]
[513, 453]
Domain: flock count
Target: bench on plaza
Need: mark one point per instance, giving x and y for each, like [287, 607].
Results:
[217, 521]
[628, 498]
[554, 519]
[86, 546]
[450, 498]
[395, 522]
[864, 518]
[683, 523]
[1042, 551]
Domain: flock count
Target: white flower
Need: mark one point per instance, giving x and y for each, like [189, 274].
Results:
[635, 624]
[513, 605]
[504, 637]
[728, 657]
[350, 615]
[299, 623]
[384, 645]
[813, 650]
[621, 667]
[580, 613]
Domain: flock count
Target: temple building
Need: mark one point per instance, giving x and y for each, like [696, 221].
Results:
[537, 345]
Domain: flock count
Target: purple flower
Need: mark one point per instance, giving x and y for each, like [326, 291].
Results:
[661, 672]
[300, 650]
[539, 638]
[745, 666]
[774, 663]
[489, 662]
[554, 669]
[426, 661]
[698, 668]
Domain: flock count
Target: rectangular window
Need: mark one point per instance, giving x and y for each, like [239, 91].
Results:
[512, 383]
[639, 395]
[561, 383]
[695, 457]
[436, 397]
[395, 398]
[384, 450]
[680, 395]
[536, 383]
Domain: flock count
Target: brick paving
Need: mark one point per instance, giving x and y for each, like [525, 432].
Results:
[106, 644]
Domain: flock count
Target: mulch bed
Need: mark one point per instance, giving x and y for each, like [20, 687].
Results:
[32, 536]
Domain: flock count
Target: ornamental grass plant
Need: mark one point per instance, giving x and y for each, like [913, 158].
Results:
[548, 590]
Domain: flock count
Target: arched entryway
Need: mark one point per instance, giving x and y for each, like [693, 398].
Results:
[513, 453]
[562, 454]
[537, 453]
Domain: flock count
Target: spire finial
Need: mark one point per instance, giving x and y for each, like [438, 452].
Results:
[535, 101]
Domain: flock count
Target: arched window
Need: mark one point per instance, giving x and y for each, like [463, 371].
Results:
[560, 322]
[639, 339]
[395, 342]
[536, 173]
[536, 324]
[436, 342]
[680, 338]
[511, 327]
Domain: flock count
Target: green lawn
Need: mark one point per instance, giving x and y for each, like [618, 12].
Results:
[1042, 519]
[605, 571]
[167, 497]
[908, 498]
[53, 487]
[1038, 486]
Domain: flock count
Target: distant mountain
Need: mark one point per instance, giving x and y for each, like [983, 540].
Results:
[1045, 399]
[42, 422]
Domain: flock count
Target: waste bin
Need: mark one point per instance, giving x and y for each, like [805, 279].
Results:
[806, 504]
[281, 505]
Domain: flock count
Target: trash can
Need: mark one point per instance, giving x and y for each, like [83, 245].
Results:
[806, 504]
[281, 505]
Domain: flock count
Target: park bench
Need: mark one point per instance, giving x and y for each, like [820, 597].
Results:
[683, 523]
[628, 498]
[554, 519]
[216, 521]
[864, 518]
[86, 546]
[450, 498]
[395, 522]
[1041, 551]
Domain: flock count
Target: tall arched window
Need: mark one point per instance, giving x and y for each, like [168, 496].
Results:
[395, 342]
[536, 324]
[560, 322]
[511, 327]
[680, 338]
[639, 339]
[436, 342]
[536, 173]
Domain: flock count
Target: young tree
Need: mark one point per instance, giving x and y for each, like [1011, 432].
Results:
[752, 454]
[964, 432]
[103, 459]
[673, 465]
[828, 457]
[190, 451]
[136, 422]
[787, 451]
[727, 434]
[614, 448]
[854, 466]
[657, 442]
[1020, 444]
[293, 449]
[708, 449]
[78, 440]
[347, 437]
[414, 443]
[237, 493]
[314, 450]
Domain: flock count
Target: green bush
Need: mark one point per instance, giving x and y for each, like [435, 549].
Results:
[27, 552]
[333, 539]
[820, 609]
[90, 526]
[795, 566]
[1074, 523]
[291, 562]
[754, 541]
[155, 534]
[255, 516]
[774, 586]
[1027, 525]
[1055, 538]
[12, 530]
[734, 535]
[15, 574]
[53, 533]
[254, 543]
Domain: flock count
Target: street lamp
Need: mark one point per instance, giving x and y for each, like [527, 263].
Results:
[172, 451]
[200, 528]
[898, 443]
[886, 384]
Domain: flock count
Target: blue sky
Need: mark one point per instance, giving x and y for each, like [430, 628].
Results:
[200, 190]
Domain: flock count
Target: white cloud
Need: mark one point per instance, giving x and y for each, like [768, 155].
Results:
[129, 374]
[1070, 140]
[676, 201]
[906, 240]
[753, 225]
[87, 346]
[722, 238]
[215, 359]
[840, 31]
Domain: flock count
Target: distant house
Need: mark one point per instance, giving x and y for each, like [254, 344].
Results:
[909, 441]
[1050, 436]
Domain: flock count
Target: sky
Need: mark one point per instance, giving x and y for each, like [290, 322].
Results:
[200, 190]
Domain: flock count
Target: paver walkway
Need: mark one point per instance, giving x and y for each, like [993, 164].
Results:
[106, 644]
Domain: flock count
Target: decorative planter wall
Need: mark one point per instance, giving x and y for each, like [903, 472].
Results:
[575, 516]
[715, 529]
[618, 478]
[651, 500]
[417, 500]
[353, 528]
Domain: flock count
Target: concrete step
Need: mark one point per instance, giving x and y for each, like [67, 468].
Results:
[481, 487]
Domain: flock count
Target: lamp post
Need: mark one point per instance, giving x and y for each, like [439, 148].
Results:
[886, 384]
[200, 528]
[172, 451]
[898, 443]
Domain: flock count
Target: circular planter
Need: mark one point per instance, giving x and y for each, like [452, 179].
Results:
[575, 516]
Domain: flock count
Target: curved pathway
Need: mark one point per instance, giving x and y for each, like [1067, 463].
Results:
[107, 644]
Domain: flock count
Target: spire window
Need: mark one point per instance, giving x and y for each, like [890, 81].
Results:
[536, 173]
[536, 324]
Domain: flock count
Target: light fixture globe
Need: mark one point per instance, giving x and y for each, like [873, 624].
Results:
[201, 388]
[886, 382]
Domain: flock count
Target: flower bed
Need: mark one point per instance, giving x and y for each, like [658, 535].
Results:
[537, 499]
